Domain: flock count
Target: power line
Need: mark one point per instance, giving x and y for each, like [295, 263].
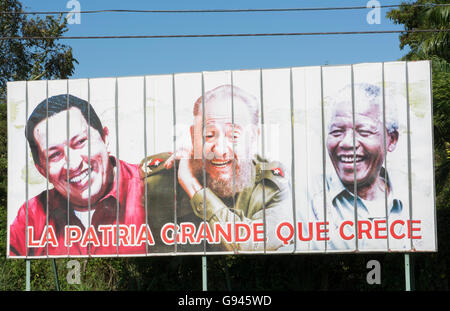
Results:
[223, 10]
[227, 35]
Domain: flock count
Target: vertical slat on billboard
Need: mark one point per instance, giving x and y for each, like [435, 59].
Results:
[218, 152]
[340, 186]
[37, 93]
[422, 226]
[103, 148]
[161, 201]
[18, 166]
[370, 150]
[307, 105]
[55, 163]
[277, 129]
[188, 89]
[80, 89]
[247, 105]
[130, 112]
[397, 156]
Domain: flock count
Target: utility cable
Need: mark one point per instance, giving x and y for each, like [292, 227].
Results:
[226, 35]
[430, 5]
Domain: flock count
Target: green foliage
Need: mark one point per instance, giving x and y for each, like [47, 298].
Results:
[436, 47]
[424, 45]
[32, 59]
[26, 60]
[441, 113]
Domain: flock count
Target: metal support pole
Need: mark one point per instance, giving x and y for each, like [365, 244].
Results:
[55, 272]
[409, 273]
[227, 277]
[204, 274]
[28, 276]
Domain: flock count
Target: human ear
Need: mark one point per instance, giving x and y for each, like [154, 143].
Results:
[393, 139]
[105, 136]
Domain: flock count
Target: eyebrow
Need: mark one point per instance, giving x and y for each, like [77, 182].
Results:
[337, 124]
[77, 136]
[52, 148]
[71, 140]
[367, 126]
[230, 125]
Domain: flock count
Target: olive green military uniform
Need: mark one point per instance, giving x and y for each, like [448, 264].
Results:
[268, 198]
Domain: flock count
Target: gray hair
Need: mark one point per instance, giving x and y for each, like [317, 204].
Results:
[370, 93]
[225, 91]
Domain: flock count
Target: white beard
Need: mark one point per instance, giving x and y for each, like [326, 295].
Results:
[224, 187]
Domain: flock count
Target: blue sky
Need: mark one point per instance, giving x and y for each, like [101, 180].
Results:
[131, 57]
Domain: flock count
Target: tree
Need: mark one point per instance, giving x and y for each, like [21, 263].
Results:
[25, 60]
[32, 59]
[436, 47]
[424, 15]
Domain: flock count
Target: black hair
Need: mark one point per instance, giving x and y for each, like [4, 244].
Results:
[57, 104]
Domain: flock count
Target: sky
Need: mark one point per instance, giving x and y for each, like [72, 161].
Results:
[134, 57]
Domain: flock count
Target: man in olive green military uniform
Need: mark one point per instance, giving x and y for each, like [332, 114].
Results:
[240, 186]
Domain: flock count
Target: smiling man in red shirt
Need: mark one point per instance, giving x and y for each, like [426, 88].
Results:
[96, 204]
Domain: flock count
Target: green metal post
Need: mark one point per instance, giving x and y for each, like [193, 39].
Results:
[227, 277]
[28, 276]
[409, 273]
[204, 274]
[55, 272]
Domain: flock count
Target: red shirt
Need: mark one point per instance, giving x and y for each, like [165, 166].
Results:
[66, 235]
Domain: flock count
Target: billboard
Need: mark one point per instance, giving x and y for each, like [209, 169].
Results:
[272, 161]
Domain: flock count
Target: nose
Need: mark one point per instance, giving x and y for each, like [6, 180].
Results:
[220, 147]
[347, 140]
[74, 161]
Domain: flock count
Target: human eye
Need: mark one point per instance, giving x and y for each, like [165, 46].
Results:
[336, 132]
[365, 132]
[234, 135]
[55, 155]
[209, 134]
[80, 142]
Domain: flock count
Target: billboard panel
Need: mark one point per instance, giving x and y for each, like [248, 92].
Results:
[292, 160]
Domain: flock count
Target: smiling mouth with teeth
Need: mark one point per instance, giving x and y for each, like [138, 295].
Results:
[80, 177]
[350, 158]
[221, 163]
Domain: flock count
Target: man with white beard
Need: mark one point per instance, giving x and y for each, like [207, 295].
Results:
[227, 184]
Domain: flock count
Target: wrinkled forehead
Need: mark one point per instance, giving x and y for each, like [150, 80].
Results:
[222, 110]
[366, 108]
[57, 127]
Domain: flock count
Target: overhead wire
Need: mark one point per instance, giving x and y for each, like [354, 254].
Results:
[224, 10]
[226, 35]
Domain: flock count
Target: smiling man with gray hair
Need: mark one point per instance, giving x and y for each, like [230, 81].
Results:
[220, 178]
[359, 134]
